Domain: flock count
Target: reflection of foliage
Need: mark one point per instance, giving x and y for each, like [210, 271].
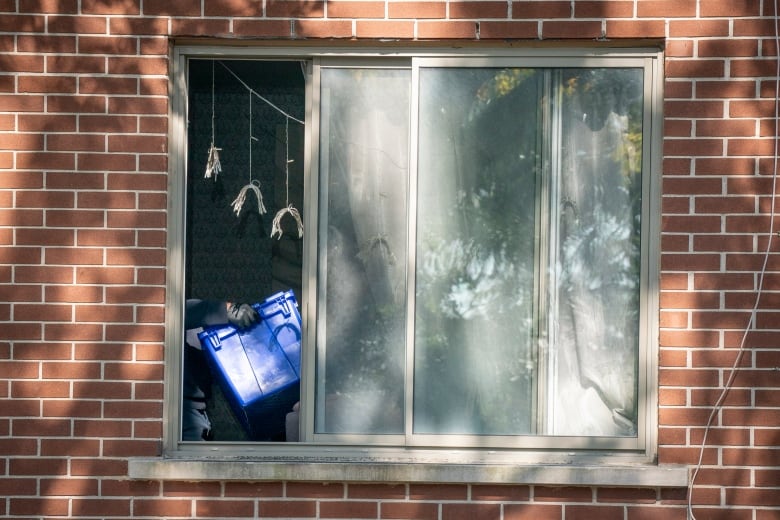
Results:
[600, 250]
[502, 83]
[474, 365]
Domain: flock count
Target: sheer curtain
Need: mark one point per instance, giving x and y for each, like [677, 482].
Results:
[365, 134]
[597, 273]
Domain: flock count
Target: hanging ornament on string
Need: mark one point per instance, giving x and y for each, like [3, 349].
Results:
[213, 166]
[289, 209]
[253, 185]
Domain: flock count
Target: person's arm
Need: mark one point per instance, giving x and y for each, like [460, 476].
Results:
[202, 313]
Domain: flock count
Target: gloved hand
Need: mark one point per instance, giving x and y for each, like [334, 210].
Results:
[242, 315]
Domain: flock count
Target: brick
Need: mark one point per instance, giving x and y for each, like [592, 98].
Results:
[18, 141]
[731, 89]
[580, 512]
[766, 437]
[695, 147]
[138, 26]
[253, 489]
[651, 513]
[77, 24]
[410, 510]
[100, 428]
[127, 7]
[48, 6]
[601, 9]
[437, 492]
[287, 509]
[99, 237]
[751, 456]
[73, 294]
[35, 427]
[723, 281]
[137, 143]
[84, 507]
[45, 44]
[365, 9]
[40, 312]
[416, 10]
[571, 29]
[726, 128]
[110, 45]
[143, 65]
[76, 64]
[18, 486]
[322, 29]
[314, 490]
[741, 68]
[562, 494]
[351, 509]
[21, 63]
[723, 243]
[636, 29]
[470, 511]
[767, 477]
[164, 507]
[39, 506]
[38, 466]
[135, 332]
[103, 314]
[132, 448]
[70, 218]
[198, 27]
[76, 142]
[43, 274]
[32, 389]
[46, 123]
[524, 9]
[188, 489]
[500, 493]
[446, 30]
[724, 8]
[685, 455]
[108, 85]
[45, 237]
[672, 436]
[76, 104]
[174, 8]
[266, 28]
[500, 30]
[223, 508]
[695, 68]
[532, 511]
[103, 390]
[721, 437]
[376, 491]
[632, 495]
[688, 377]
[70, 447]
[295, 9]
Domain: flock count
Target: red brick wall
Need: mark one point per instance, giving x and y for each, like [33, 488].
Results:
[83, 179]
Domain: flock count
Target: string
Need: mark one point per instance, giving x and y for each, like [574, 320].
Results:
[255, 93]
[253, 185]
[760, 289]
[213, 166]
[276, 225]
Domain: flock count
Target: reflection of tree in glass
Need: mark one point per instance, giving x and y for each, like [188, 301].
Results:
[599, 245]
[474, 366]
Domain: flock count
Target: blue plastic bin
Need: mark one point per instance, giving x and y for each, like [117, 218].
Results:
[259, 368]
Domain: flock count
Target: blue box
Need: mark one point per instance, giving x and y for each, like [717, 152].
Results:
[259, 368]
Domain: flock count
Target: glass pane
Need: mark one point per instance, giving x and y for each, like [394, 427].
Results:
[598, 202]
[364, 135]
[232, 256]
[475, 361]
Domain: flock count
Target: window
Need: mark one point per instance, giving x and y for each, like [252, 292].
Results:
[478, 259]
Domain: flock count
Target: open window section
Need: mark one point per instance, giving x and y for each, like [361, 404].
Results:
[479, 262]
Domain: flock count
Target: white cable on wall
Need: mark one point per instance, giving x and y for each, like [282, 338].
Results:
[752, 321]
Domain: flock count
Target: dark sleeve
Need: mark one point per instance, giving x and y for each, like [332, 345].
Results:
[202, 313]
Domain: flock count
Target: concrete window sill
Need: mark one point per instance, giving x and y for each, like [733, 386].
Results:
[236, 469]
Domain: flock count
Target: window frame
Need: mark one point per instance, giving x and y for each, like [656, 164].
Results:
[641, 448]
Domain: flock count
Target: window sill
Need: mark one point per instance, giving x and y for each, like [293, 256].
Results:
[240, 469]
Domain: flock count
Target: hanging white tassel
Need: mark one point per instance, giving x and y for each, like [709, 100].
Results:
[213, 166]
[276, 225]
[238, 204]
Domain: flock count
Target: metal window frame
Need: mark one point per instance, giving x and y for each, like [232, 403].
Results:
[641, 448]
